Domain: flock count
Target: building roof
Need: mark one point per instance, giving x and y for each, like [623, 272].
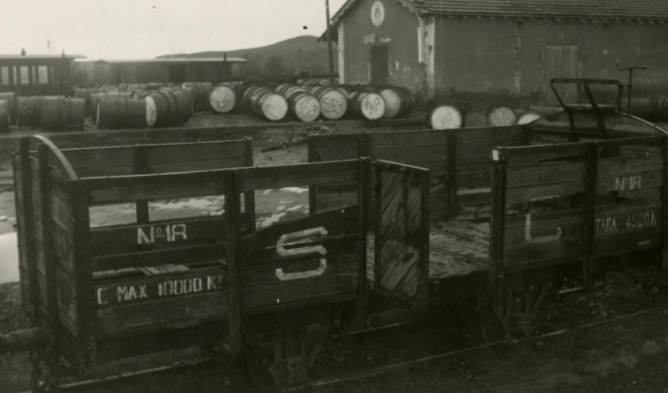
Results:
[626, 10]
[40, 57]
[178, 60]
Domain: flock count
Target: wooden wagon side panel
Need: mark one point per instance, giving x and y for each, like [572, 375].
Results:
[629, 196]
[309, 261]
[544, 211]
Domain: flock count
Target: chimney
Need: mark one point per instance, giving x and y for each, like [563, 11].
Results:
[23, 52]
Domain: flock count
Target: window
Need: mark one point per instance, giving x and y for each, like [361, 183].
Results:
[42, 75]
[4, 75]
[24, 75]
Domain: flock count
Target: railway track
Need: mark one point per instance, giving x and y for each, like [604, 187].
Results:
[374, 372]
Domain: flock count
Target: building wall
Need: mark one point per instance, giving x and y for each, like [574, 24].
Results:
[399, 30]
[508, 61]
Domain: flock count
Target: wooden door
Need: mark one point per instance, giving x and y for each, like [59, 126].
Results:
[561, 61]
[379, 64]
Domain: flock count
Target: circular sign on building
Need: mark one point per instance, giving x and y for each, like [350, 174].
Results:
[377, 13]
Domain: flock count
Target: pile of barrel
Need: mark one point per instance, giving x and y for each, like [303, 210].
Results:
[308, 103]
[53, 113]
[446, 116]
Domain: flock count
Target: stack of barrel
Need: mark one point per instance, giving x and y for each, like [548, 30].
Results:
[301, 104]
[450, 116]
[53, 113]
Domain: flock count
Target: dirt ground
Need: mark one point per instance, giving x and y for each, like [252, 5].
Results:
[625, 355]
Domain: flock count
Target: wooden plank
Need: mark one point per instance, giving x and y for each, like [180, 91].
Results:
[61, 209]
[364, 203]
[549, 173]
[263, 287]
[99, 157]
[171, 190]
[235, 336]
[181, 255]
[335, 147]
[526, 194]
[335, 222]
[565, 248]
[123, 319]
[589, 214]
[159, 235]
[262, 178]
[165, 154]
[452, 183]
[47, 246]
[630, 182]
[407, 138]
[628, 242]
[83, 275]
[537, 155]
[28, 232]
[664, 200]
[497, 226]
[500, 135]
[474, 180]
[161, 286]
[66, 300]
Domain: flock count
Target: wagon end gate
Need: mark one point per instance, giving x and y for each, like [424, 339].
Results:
[112, 291]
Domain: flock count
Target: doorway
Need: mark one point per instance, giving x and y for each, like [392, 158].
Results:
[379, 64]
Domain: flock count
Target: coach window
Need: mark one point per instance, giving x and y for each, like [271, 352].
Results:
[4, 75]
[42, 75]
[24, 76]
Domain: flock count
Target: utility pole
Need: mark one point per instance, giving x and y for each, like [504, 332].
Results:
[329, 46]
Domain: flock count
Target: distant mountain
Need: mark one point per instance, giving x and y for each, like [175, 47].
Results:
[286, 58]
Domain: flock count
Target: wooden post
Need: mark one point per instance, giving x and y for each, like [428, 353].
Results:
[451, 170]
[664, 254]
[141, 168]
[83, 275]
[497, 222]
[233, 274]
[591, 160]
[29, 226]
[425, 183]
[378, 225]
[47, 236]
[363, 179]
[249, 197]
[312, 189]
[329, 46]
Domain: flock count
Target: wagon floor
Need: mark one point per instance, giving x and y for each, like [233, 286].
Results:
[456, 248]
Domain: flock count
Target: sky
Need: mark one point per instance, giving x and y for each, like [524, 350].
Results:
[138, 29]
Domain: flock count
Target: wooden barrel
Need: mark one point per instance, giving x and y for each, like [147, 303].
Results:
[444, 117]
[95, 97]
[167, 108]
[61, 113]
[27, 111]
[265, 103]
[200, 95]
[136, 86]
[107, 87]
[475, 119]
[528, 116]
[10, 97]
[117, 112]
[365, 105]
[333, 103]
[85, 93]
[394, 102]
[139, 94]
[304, 106]
[500, 116]
[4, 116]
[222, 99]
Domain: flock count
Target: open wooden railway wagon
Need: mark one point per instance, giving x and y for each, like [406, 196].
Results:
[513, 209]
[97, 292]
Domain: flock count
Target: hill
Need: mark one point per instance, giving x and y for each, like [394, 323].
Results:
[286, 58]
